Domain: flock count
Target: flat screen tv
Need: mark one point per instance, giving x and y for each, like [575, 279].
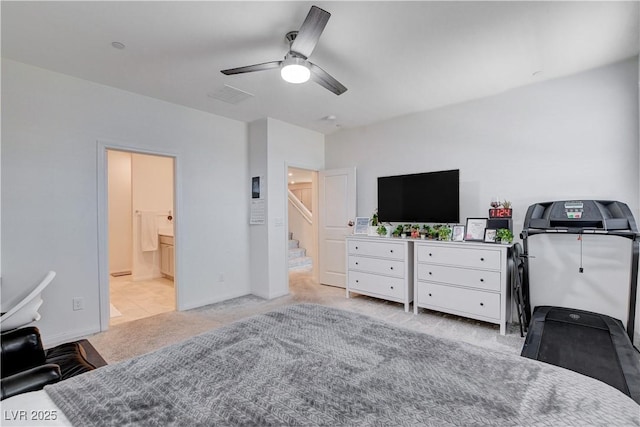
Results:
[422, 197]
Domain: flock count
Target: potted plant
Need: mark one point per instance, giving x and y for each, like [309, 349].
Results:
[373, 223]
[424, 232]
[415, 231]
[444, 233]
[504, 235]
[433, 232]
[381, 230]
[406, 230]
[398, 230]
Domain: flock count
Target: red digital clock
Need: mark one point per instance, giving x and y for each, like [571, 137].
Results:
[500, 213]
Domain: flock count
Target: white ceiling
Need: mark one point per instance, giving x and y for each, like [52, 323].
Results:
[395, 58]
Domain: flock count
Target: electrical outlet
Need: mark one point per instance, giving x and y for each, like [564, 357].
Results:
[78, 303]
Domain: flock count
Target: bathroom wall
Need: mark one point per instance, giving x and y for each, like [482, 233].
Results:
[152, 191]
[120, 212]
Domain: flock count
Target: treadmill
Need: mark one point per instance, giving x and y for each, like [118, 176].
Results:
[587, 342]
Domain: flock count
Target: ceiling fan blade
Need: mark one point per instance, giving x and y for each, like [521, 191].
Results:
[325, 80]
[252, 68]
[310, 31]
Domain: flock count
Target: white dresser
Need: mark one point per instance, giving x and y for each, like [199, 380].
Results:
[380, 267]
[463, 278]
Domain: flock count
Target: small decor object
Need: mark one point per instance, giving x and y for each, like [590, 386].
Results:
[495, 202]
[398, 231]
[503, 210]
[362, 225]
[415, 231]
[382, 230]
[475, 229]
[504, 235]
[490, 235]
[457, 234]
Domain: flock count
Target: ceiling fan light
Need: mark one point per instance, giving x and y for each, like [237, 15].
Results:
[294, 70]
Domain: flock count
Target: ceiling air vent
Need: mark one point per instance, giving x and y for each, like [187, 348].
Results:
[230, 94]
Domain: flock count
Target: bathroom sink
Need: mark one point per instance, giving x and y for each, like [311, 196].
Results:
[166, 231]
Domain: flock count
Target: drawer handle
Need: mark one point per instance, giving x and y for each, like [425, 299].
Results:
[356, 262]
[391, 251]
[430, 254]
[482, 280]
[391, 287]
[429, 294]
[356, 247]
[482, 304]
[430, 273]
[357, 281]
[481, 259]
[391, 268]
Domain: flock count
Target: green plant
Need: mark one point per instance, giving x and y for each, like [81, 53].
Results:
[406, 228]
[374, 218]
[398, 230]
[504, 235]
[444, 233]
[382, 230]
[506, 204]
[426, 230]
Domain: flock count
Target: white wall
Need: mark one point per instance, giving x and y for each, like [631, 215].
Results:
[50, 127]
[152, 191]
[575, 137]
[570, 138]
[120, 212]
[281, 145]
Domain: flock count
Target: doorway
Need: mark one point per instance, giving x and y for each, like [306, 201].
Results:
[140, 232]
[302, 243]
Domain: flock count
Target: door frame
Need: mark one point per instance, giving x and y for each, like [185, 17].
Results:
[103, 220]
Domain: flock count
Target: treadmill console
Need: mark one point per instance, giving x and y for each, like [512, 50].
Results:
[578, 215]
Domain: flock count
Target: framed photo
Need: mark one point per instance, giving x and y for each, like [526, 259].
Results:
[490, 235]
[474, 230]
[362, 225]
[457, 234]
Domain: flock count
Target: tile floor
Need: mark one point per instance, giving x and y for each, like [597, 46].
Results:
[137, 300]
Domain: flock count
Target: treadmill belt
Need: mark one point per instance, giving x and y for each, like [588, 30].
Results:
[589, 343]
[582, 349]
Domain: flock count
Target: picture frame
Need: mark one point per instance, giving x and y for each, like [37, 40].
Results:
[457, 233]
[474, 229]
[362, 225]
[490, 235]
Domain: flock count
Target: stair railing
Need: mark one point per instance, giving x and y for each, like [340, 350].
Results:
[296, 203]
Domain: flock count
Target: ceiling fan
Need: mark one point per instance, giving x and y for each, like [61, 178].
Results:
[295, 68]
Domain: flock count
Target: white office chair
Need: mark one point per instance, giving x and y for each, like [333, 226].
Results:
[26, 311]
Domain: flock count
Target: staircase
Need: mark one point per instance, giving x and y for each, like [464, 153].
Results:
[298, 259]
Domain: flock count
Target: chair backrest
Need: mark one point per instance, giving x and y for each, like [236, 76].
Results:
[26, 311]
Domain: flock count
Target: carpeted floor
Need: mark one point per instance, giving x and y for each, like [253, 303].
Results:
[131, 339]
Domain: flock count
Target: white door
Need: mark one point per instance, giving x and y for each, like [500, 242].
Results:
[337, 209]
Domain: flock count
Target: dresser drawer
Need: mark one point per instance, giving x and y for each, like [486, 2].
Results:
[459, 300]
[481, 279]
[463, 257]
[391, 287]
[377, 266]
[376, 249]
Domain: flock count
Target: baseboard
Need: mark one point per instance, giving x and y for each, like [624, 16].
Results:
[185, 307]
[54, 340]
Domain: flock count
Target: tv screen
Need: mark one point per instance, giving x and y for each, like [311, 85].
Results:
[421, 197]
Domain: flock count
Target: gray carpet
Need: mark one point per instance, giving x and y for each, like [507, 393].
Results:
[314, 365]
[131, 339]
